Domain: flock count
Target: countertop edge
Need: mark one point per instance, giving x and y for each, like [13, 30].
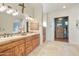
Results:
[17, 38]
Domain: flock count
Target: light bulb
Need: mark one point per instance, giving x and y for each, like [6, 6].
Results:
[3, 8]
[15, 13]
[9, 11]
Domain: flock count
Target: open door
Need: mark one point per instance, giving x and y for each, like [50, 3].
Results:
[61, 29]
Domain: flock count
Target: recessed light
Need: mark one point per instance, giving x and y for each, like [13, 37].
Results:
[64, 6]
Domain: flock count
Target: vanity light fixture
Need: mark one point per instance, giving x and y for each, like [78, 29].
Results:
[31, 19]
[9, 11]
[15, 13]
[3, 8]
[26, 16]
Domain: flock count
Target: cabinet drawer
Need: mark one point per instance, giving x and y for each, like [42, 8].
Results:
[35, 45]
[10, 45]
[27, 39]
[28, 50]
[35, 41]
[9, 52]
[20, 50]
[35, 36]
[27, 45]
[29, 42]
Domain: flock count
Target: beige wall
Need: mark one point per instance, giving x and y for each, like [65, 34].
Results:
[29, 11]
[6, 23]
[38, 15]
[73, 14]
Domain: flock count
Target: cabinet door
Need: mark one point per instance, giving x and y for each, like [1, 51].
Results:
[28, 50]
[28, 44]
[35, 43]
[28, 47]
[9, 52]
[20, 50]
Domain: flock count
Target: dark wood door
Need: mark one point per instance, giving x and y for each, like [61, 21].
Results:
[61, 29]
[59, 33]
[44, 34]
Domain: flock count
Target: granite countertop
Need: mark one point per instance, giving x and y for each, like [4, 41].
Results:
[13, 38]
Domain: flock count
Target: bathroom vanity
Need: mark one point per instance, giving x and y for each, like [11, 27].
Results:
[20, 45]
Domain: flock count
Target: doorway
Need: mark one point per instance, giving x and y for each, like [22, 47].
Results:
[61, 29]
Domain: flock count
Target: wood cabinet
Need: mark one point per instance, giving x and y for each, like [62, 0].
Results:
[9, 52]
[19, 50]
[31, 43]
[28, 50]
[20, 47]
[28, 44]
[35, 43]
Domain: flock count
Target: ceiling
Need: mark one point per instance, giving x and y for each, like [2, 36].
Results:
[48, 7]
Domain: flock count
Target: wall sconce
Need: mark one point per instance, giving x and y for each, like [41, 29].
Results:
[8, 10]
[77, 23]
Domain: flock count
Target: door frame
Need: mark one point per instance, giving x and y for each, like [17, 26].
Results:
[55, 27]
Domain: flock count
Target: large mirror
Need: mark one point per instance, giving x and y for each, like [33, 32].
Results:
[17, 20]
[9, 23]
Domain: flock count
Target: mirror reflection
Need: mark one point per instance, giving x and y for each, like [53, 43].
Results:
[15, 22]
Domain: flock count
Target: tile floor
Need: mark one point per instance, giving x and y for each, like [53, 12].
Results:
[56, 49]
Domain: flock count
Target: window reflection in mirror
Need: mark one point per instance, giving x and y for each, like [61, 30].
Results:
[16, 25]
